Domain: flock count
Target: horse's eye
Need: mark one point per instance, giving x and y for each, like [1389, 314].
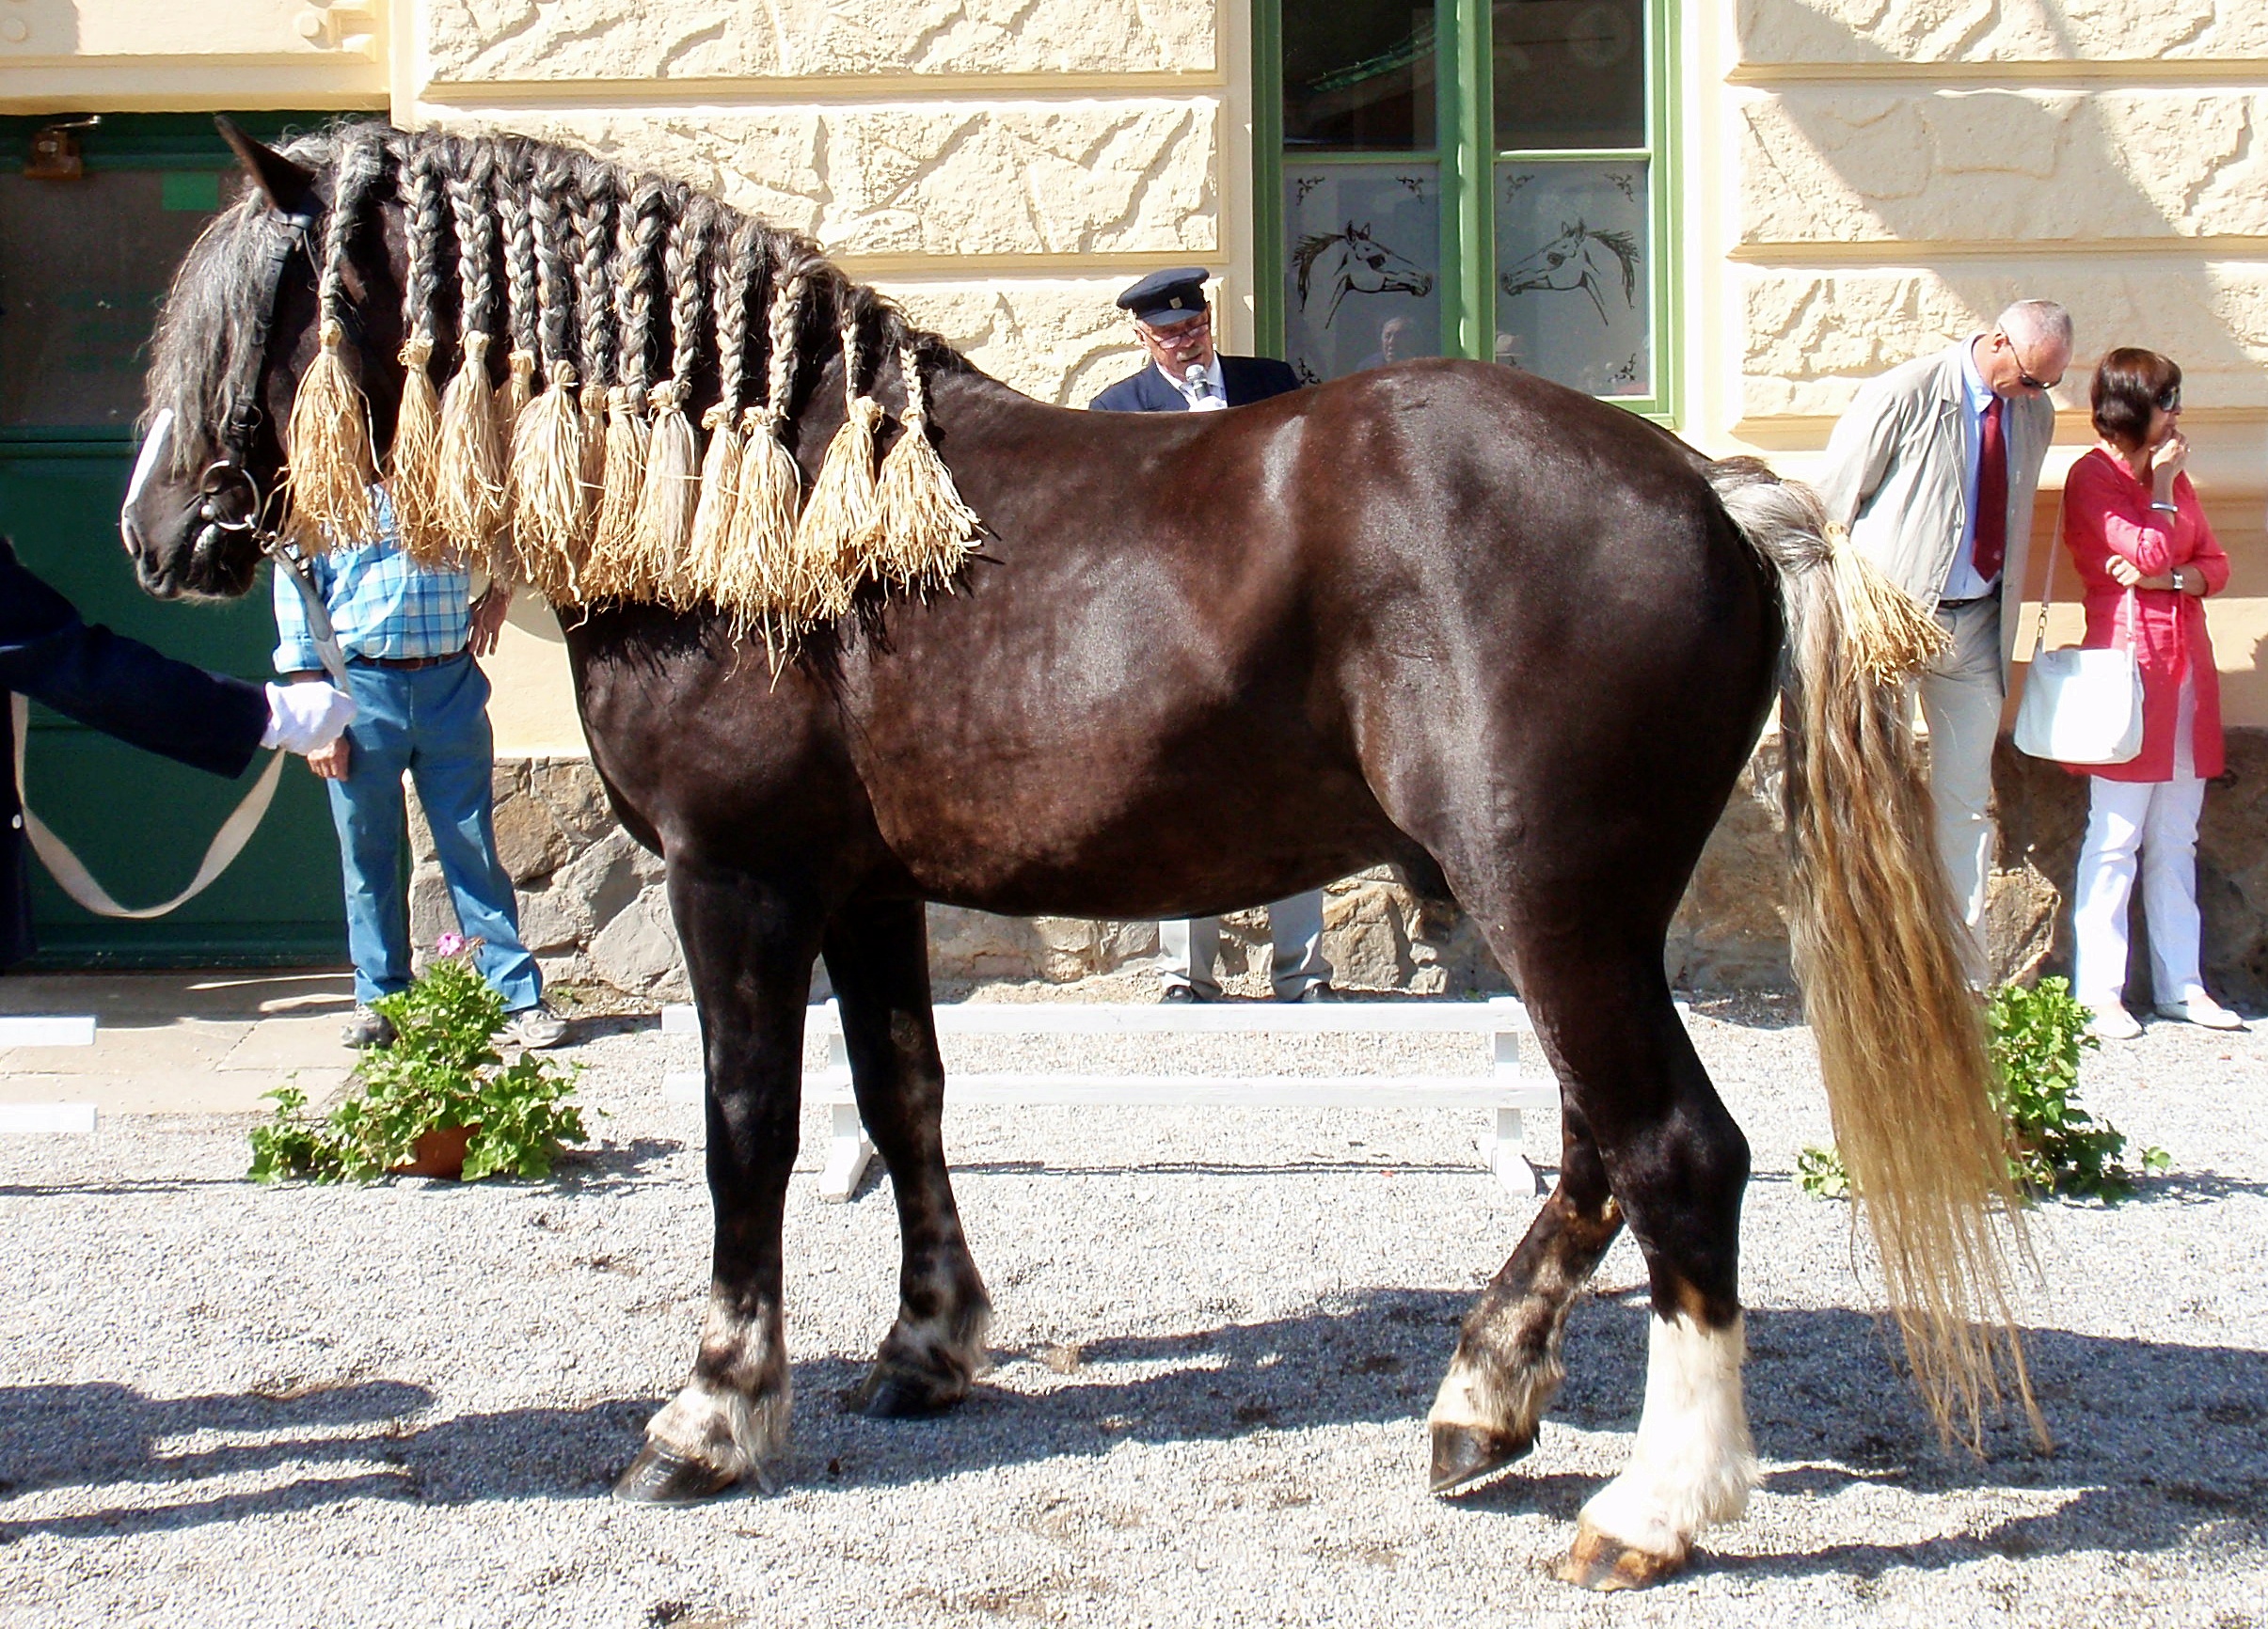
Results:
[1377, 262]
[1556, 259]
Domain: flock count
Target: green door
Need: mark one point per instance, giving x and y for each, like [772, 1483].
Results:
[83, 262]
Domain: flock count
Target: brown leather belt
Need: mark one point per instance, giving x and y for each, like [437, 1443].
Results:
[403, 664]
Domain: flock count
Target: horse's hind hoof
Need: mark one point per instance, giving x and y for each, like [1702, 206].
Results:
[660, 1476]
[1464, 1453]
[1595, 1561]
[893, 1392]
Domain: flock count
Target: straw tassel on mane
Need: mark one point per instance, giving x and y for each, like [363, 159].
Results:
[554, 287]
[834, 540]
[923, 531]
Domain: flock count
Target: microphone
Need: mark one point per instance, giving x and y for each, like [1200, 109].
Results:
[1200, 389]
[1194, 375]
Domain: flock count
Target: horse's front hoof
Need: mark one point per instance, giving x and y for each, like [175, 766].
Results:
[1464, 1453]
[893, 1391]
[660, 1476]
[1595, 1561]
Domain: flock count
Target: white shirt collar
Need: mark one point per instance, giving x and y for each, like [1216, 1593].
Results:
[1213, 374]
[1980, 393]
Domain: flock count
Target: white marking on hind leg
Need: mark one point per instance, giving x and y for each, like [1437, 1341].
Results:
[733, 1413]
[1693, 1463]
[1484, 1397]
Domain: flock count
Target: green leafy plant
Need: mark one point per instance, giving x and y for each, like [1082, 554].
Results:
[441, 1072]
[2054, 1146]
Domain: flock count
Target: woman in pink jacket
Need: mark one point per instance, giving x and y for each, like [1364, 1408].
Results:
[2147, 559]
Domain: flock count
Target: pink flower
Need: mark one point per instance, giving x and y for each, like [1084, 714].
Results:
[449, 944]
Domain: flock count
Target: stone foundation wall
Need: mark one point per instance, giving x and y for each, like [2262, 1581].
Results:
[593, 908]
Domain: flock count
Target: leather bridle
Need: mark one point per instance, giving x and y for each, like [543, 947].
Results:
[230, 498]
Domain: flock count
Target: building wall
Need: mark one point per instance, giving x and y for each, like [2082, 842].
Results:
[1867, 180]
[1890, 172]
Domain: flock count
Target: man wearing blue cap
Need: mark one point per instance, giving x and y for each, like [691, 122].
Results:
[1186, 375]
[1174, 323]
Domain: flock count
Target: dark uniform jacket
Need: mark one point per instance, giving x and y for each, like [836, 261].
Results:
[1245, 379]
[115, 685]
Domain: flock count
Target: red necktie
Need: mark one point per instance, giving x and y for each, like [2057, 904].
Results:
[1991, 495]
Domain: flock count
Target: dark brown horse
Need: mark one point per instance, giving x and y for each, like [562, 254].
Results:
[1444, 614]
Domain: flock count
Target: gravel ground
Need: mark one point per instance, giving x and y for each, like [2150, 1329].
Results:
[1217, 1339]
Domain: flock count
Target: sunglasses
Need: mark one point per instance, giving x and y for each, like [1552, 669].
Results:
[2168, 399]
[2024, 378]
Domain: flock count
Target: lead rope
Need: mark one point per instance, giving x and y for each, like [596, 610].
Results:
[71, 873]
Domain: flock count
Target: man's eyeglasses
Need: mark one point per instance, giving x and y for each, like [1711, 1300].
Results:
[1171, 331]
[2169, 399]
[2024, 378]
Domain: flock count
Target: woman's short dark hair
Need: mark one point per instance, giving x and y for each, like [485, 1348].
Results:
[2128, 382]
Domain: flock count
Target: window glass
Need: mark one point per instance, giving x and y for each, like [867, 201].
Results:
[1569, 73]
[1358, 76]
[1362, 268]
[1574, 271]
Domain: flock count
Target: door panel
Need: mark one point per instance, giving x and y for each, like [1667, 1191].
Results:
[82, 266]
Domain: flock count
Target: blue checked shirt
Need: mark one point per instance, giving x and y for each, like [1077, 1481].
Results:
[382, 603]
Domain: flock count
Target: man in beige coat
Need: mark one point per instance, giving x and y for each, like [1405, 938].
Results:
[1933, 468]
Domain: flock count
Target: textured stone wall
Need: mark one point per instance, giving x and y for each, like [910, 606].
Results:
[1001, 166]
[594, 909]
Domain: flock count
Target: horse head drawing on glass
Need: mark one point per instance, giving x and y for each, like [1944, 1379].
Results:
[1353, 262]
[1581, 256]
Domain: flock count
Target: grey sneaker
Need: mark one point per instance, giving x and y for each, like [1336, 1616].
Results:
[369, 1027]
[537, 1027]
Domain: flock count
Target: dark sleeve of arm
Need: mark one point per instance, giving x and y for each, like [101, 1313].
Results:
[119, 686]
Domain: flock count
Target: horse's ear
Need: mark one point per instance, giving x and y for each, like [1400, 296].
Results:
[286, 185]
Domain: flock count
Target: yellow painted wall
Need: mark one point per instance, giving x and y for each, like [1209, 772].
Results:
[1867, 179]
[1883, 176]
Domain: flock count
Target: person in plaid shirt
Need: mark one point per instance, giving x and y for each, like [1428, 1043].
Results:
[410, 634]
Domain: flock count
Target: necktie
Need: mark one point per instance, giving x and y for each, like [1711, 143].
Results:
[1991, 494]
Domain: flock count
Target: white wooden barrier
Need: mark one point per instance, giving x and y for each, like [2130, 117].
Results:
[71, 1030]
[1503, 1090]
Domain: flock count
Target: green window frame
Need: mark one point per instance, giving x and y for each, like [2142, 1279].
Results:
[1467, 159]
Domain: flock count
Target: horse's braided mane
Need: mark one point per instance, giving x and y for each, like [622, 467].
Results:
[573, 263]
[495, 189]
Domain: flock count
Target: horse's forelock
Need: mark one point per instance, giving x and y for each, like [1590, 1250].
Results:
[207, 321]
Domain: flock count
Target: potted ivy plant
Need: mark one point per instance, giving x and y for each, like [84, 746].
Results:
[440, 1102]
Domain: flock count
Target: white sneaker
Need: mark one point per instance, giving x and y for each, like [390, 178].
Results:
[2202, 1009]
[2113, 1023]
[537, 1027]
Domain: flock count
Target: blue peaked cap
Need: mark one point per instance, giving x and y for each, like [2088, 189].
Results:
[1164, 298]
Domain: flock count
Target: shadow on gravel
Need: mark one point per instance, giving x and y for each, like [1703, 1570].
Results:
[609, 1166]
[2161, 1446]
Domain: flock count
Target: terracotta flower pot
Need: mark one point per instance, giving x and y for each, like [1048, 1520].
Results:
[439, 1154]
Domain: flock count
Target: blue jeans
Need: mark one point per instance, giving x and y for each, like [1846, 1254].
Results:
[432, 723]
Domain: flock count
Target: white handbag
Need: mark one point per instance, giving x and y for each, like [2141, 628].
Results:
[2079, 707]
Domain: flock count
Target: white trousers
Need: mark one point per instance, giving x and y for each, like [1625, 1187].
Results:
[2158, 818]
[1961, 697]
[1186, 949]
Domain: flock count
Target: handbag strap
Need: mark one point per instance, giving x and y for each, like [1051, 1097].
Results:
[2129, 600]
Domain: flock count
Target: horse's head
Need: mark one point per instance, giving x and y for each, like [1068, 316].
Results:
[239, 328]
[1371, 268]
[1558, 265]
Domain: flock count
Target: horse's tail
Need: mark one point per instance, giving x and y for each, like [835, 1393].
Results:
[1876, 935]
